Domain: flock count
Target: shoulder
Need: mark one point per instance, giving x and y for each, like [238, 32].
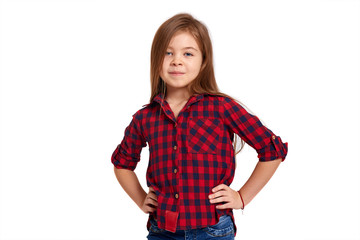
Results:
[228, 105]
[213, 97]
[220, 99]
[144, 111]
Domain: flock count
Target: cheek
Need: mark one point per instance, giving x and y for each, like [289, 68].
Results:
[164, 65]
[163, 68]
[197, 66]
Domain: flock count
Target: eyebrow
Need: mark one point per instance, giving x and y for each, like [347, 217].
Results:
[186, 48]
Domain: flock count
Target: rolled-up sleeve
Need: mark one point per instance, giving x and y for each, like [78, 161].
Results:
[127, 153]
[253, 132]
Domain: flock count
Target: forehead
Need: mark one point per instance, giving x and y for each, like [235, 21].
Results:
[183, 39]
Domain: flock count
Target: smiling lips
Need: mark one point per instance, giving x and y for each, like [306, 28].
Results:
[176, 73]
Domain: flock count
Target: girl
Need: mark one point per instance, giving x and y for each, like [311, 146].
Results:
[191, 129]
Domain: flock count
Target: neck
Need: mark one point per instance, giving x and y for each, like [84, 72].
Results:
[177, 95]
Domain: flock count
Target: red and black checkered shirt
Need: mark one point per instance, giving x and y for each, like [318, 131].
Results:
[192, 154]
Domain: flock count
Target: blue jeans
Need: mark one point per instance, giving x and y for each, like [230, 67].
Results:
[223, 230]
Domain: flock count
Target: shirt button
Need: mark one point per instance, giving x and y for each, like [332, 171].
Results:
[176, 196]
[175, 125]
[175, 170]
[175, 147]
[273, 137]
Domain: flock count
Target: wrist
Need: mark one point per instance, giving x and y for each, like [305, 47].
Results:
[140, 201]
[241, 200]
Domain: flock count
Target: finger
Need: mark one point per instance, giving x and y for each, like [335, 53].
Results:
[151, 201]
[224, 206]
[152, 193]
[220, 187]
[149, 209]
[219, 200]
[216, 195]
[219, 194]
[152, 196]
[150, 205]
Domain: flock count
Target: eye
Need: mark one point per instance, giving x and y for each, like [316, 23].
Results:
[188, 54]
[168, 53]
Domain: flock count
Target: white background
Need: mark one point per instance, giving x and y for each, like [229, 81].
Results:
[73, 72]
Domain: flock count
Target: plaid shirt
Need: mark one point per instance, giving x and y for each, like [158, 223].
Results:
[192, 154]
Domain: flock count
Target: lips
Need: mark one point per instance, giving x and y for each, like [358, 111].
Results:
[176, 73]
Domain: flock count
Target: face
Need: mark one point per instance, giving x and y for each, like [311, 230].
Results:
[182, 61]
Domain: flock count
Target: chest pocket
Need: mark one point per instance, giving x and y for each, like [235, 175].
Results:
[203, 135]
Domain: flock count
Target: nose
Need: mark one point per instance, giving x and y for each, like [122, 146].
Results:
[176, 61]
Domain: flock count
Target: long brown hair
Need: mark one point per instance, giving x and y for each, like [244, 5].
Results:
[205, 81]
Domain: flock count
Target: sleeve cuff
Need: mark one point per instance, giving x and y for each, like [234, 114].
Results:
[275, 149]
[122, 163]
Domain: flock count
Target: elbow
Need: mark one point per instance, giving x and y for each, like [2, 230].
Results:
[121, 170]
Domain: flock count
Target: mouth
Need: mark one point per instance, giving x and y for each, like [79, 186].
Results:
[176, 73]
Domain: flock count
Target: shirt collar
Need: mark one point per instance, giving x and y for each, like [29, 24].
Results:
[194, 98]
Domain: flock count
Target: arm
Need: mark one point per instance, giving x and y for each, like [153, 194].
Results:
[130, 183]
[271, 152]
[125, 158]
[258, 179]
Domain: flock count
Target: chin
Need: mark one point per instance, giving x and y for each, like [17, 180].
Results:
[177, 84]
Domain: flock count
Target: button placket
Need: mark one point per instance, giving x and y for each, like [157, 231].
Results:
[177, 132]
